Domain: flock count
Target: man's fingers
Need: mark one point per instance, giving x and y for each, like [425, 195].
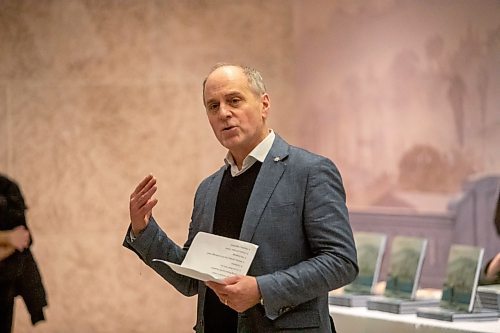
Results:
[232, 279]
[211, 285]
[141, 214]
[146, 209]
[143, 192]
[142, 183]
[139, 202]
[148, 186]
[216, 287]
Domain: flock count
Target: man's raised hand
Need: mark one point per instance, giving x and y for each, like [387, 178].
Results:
[142, 203]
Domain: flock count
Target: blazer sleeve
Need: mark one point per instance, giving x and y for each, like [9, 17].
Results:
[332, 263]
[153, 243]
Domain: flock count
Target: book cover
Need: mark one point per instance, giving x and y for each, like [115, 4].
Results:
[407, 257]
[462, 275]
[370, 247]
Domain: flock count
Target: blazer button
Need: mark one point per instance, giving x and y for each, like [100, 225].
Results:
[284, 309]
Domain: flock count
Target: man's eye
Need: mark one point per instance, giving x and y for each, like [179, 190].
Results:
[235, 101]
[213, 107]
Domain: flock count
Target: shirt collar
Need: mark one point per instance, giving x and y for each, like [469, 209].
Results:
[259, 153]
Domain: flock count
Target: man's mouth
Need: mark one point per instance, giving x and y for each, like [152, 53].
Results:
[227, 128]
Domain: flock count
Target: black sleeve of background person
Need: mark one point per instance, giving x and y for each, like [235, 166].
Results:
[12, 205]
[12, 210]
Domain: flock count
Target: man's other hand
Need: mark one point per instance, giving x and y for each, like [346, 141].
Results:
[142, 203]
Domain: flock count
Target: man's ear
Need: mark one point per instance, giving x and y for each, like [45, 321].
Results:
[266, 105]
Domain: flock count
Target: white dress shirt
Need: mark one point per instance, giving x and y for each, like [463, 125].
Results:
[259, 153]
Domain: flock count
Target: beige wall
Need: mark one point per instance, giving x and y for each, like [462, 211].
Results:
[96, 94]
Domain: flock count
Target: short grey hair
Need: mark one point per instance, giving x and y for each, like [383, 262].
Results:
[255, 80]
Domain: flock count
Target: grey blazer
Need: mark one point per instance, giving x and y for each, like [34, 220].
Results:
[298, 217]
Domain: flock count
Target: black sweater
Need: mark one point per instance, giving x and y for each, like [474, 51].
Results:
[232, 201]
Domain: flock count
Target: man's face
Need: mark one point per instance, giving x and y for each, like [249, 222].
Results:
[235, 112]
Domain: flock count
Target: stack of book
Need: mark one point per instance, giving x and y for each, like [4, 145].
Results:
[399, 306]
[407, 257]
[459, 290]
[350, 300]
[489, 297]
[370, 248]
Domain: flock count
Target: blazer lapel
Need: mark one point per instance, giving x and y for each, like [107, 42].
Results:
[211, 201]
[270, 173]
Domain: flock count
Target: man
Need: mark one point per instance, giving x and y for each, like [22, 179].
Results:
[289, 202]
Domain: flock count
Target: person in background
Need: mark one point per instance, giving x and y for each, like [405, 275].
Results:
[288, 201]
[19, 274]
[491, 272]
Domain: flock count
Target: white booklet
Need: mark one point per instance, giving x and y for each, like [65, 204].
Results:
[214, 258]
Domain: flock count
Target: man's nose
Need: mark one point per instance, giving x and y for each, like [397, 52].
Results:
[225, 111]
